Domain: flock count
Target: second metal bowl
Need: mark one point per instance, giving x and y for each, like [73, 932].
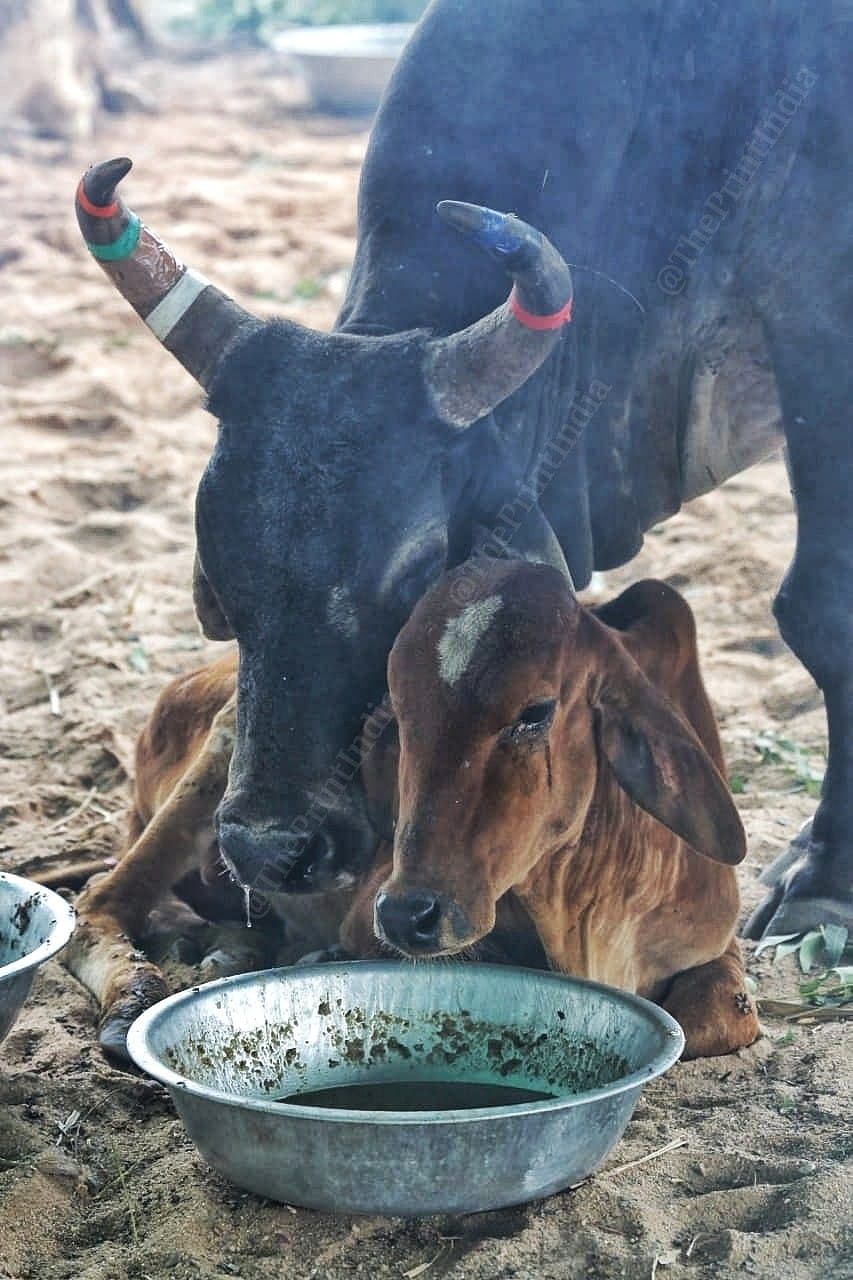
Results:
[35, 923]
[345, 68]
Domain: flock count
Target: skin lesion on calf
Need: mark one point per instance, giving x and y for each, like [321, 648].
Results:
[663, 927]
[698, 899]
[660, 919]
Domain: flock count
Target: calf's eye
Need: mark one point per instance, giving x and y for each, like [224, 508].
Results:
[538, 714]
[535, 719]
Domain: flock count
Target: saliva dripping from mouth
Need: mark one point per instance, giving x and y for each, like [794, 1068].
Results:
[246, 891]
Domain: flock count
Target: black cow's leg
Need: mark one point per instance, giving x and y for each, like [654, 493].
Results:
[814, 608]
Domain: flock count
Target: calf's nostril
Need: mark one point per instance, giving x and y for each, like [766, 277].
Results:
[410, 921]
[425, 916]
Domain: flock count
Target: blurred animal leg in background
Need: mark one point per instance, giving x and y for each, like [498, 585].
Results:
[812, 883]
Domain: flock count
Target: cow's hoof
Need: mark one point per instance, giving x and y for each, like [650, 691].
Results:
[117, 1020]
[112, 1036]
[805, 892]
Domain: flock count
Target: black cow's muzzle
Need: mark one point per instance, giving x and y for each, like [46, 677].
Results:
[273, 860]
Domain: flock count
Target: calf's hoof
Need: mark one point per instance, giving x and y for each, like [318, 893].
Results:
[715, 1010]
[148, 989]
[808, 888]
[727, 1023]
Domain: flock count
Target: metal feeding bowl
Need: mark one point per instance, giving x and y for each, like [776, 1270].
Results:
[345, 68]
[434, 1041]
[35, 923]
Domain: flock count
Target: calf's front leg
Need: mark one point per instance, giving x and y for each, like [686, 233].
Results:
[713, 1007]
[111, 913]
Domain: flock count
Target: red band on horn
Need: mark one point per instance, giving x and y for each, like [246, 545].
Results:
[96, 210]
[540, 323]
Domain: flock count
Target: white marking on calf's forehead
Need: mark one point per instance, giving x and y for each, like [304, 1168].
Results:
[340, 612]
[461, 636]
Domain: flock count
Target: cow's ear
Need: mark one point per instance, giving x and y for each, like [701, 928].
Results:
[660, 763]
[380, 759]
[533, 540]
[208, 610]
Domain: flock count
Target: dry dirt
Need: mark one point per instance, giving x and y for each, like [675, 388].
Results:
[104, 438]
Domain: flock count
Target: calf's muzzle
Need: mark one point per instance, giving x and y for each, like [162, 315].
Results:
[421, 923]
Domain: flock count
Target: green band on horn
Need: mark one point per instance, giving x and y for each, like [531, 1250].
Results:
[121, 248]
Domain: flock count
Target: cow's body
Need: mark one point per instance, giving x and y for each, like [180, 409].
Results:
[608, 130]
[537, 739]
[698, 154]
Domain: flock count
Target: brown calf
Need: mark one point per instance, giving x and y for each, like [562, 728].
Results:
[561, 774]
[182, 760]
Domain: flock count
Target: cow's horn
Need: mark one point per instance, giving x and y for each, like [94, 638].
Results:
[472, 371]
[190, 316]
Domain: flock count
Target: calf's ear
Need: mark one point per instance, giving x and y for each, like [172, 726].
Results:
[660, 763]
[208, 610]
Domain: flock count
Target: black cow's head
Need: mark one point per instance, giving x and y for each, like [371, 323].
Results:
[338, 491]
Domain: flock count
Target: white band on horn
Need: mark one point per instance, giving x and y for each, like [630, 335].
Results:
[162, 320]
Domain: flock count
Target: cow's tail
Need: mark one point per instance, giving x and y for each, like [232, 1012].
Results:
[191, 317]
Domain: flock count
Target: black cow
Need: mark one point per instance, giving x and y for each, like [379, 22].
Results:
[699, 154]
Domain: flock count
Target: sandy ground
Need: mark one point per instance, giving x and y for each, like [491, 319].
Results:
[103, 441]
